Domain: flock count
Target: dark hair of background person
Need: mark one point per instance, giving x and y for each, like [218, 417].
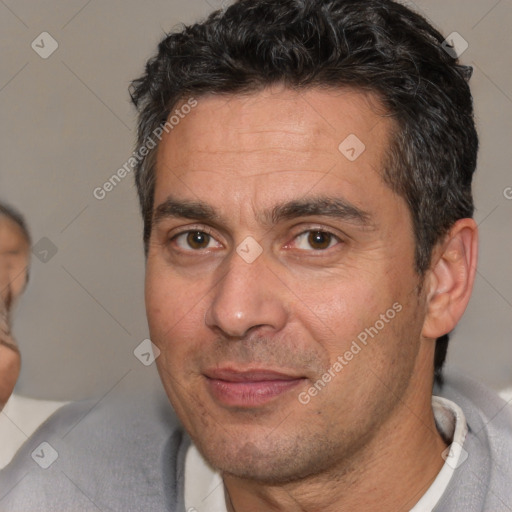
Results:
[377, 46]
[17, 218]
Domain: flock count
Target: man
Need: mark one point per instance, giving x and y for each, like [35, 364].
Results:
[305, 183]
[19, 416]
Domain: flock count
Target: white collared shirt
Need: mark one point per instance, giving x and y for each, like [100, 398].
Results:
[204, 490]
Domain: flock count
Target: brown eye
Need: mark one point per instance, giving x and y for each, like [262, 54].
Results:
[319, 239]
[198, 240]
[195, 240]
[315, 240]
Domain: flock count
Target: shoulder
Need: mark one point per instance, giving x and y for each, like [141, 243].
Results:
[30, 413]
[483, 407]
[482, 479]
[98, 454]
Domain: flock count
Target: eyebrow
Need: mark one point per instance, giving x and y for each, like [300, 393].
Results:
[323, 206]
[194, 210]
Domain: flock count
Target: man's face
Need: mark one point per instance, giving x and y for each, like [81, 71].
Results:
[14, 259]
[272, 251]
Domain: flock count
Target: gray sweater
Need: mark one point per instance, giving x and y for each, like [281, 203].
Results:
[126, 453]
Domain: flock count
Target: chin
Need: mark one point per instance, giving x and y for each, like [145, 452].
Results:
[284, 459]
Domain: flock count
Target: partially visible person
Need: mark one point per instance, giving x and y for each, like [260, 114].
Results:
[14, 264]
[19, 416]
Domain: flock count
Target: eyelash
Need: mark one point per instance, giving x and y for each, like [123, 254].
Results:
[201, 229]
[209, 233]
[308, 232]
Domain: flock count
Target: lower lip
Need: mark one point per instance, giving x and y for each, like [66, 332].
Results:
[249, 394]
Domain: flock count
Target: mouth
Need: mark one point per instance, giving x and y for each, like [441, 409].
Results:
[249, 388]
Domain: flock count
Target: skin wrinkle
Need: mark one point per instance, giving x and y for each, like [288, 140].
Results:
[255, 175]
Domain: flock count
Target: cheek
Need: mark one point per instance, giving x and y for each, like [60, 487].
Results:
[342, 308]
[174, 311]
[359, 320]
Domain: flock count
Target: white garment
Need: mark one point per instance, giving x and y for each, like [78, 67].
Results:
[204, 490]
[19, 419]
[506, 394]
[451, 423]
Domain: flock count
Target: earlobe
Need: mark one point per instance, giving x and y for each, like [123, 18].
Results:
[451, 278]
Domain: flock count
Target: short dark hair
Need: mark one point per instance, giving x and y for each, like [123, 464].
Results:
[377, 46]
[16, 217]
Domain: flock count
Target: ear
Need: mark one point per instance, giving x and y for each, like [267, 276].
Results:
[450, 278]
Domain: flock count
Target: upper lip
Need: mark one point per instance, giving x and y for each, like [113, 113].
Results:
[250, 375]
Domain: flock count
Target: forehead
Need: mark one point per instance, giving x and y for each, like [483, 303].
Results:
[274, 142]
[11, 235]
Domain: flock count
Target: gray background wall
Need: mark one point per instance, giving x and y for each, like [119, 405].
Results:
[67, 126]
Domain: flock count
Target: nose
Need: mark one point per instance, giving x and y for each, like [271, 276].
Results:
[249, 296]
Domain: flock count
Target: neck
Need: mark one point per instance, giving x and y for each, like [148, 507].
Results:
[391, 474]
